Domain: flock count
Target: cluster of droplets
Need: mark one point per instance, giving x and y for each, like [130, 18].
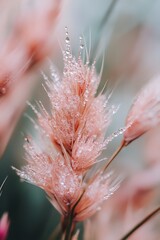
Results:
[114, 135]
[67, 52]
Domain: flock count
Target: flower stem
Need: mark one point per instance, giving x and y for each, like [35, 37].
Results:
[108, 12]
[114, 155]
[146, 219]
[69, 228]
[101, 171]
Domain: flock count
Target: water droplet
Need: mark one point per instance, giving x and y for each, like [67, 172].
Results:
[81, 46]
[67, 52]
[67, 39]
[26, 139]
[66, 28]
[115, 134]
[121, 130]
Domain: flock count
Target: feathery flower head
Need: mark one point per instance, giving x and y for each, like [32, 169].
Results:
[145, 111]
[78, 119]
[72, 136]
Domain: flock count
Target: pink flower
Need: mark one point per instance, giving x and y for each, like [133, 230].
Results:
[4, 226]
[145, 111]
[78, 119]
[72, 139]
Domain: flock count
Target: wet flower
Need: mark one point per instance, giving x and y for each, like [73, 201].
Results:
[72, 137]
[145, 111]
[78, 118]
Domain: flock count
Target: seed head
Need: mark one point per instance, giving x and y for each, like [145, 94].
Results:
[72, 139]
[145, 111]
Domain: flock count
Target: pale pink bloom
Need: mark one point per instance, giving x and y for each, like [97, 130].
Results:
[72, 140]
[78, 118]
[4, 226]
[145, 111]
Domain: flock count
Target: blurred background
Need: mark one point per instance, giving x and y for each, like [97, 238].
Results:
[125, 34]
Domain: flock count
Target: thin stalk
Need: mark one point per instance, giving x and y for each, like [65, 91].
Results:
[108, 13]
[114, 155]
[69, 229]
[103, 22]
[72, 224]
[140, 224]
[101, 171]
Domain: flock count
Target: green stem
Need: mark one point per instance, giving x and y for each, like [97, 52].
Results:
[146, 219]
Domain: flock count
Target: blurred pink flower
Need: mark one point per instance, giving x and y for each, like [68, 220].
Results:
[4, 226]
[28, 44]
[145, 111]
[125, 209]
[152, 146]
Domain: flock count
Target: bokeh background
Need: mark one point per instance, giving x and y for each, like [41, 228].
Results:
[125, 35]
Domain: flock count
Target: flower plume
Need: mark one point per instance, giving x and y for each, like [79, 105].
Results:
[78, 119]
[145, 111]
[72, 139]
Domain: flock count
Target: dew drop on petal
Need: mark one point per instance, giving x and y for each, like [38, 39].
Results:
[81, 46]
[67, 39]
